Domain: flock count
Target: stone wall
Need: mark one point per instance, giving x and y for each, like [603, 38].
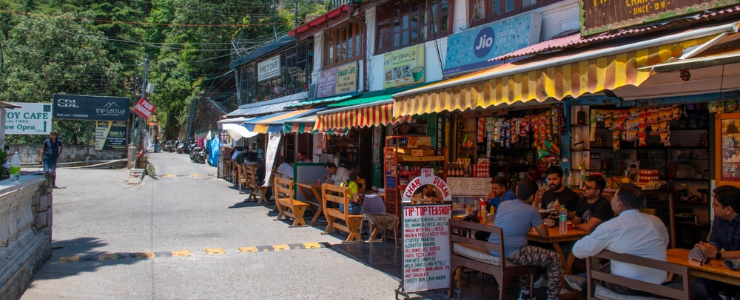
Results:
[25, 232]
[30, 153]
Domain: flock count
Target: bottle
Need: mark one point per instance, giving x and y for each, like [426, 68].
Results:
[563, 219]
[15, 168]
[482, 213]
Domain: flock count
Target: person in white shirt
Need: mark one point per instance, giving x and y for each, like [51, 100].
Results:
[237, 151]
[631, 232]
[335, 175]
[286, 168]
[302, 158]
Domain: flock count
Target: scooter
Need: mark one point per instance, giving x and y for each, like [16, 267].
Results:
[198, 155]
[179, 147]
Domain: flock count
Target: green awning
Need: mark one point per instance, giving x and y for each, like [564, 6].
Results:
[361, 100]
[331, 99]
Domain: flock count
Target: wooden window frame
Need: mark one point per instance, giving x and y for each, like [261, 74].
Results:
[386, 18]
[490, 17]
[336, 43]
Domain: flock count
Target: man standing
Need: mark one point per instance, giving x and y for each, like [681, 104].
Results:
[335, 175]
[302, 158]
[559, 192]
[50, 153]
[516, 218]
[286, 168]
[593, 209]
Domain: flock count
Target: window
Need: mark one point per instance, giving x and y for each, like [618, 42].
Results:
[486, 11]
[295, 74]
[343, 44]
[409, 22]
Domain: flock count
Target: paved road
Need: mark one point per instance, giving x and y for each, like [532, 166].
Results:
[98, 213]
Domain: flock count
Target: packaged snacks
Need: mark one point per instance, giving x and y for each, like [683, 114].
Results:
[615, 139]
[665, 138]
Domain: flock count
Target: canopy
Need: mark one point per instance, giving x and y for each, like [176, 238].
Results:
[363, 115]
[237, 121]
[558, 76]
[261, 108]
[237, 131]
[300, 125]
[274, 123]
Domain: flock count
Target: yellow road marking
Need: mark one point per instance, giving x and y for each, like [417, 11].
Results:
[65, 259]
[248, 249]
[195, 175]
[141, 255]
[108, 256]
[282, 247]
[169, 176]
[312, 245]
[215, 251]
[181, 253]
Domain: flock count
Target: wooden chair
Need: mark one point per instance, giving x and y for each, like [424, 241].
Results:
[360, 184]
[340, 195]
[596, 291]
[242, 179]
[234, 172]
[473, 254]
[227, 169]
[252, 186]
[262, 190]
[286, 203]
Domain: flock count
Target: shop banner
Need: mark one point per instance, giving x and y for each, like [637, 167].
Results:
[427, 177]
[91, 108]
[327, 83]
[31, 118]
[472, 49]
[346, 78]
[272, 147]
[404, 67]
[144, 109]
[426, 247]
[110, 135]
[269, 68]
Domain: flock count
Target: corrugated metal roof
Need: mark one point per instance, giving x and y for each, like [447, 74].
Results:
[274, 45]
[256, 109]
[323, 100]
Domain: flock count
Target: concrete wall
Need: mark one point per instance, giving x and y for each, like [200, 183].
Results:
[25, 232]
[30, 153]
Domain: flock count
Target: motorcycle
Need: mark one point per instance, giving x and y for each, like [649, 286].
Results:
[179, 147]
[168, 146]
[198, 155]
[187, 146]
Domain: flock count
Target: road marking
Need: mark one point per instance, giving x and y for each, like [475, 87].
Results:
[169, 175]
[180, 253]
[69, 259]
[109, 256]
[215, 251]
[282, 247]
[195, 175]
[247, 249]
[144, 255]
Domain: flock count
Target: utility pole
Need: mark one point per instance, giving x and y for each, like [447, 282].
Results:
[142, 125]
[136, 141]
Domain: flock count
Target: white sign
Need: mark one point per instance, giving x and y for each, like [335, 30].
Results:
[426, 247]
[469, 186]
[31, 118]
[272, 147]
[268, 69]
[427, 177]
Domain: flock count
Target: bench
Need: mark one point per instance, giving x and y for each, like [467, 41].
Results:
[599, 292]
[340, 195]
[286, 203]
[242, 178]
[252, 186]
[473, 254]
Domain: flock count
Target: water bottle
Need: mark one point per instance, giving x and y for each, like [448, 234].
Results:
[15, 168]
[563, 219]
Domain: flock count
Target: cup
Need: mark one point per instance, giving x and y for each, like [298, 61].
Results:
[569, 225]
[417, 73]
[318, 182]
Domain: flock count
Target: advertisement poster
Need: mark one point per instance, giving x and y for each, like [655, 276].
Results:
[321, 141]
[91, 108]
[31, 118]
[144, 109]
[472, 49]
[346, 78]
[327, 83]
[427, 178]
[404, 67]
[110, 135]
[269, 68]
[272, 147]
[426, 247]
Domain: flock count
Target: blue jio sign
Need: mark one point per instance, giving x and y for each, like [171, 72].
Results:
[474, 49]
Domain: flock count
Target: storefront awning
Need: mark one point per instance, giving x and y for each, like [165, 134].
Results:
[237, 131]
[274, 123]
[364, 115]
[559, 76]
[324, 100]
[300, 125]
[237, 121]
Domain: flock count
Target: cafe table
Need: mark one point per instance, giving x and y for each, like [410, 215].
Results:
[309, 191]
[715, 270]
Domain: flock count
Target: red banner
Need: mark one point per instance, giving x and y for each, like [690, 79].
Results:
[144, 108]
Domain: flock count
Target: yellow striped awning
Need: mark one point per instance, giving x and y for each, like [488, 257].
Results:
[357, 116]
[274, 123]
[533, 80]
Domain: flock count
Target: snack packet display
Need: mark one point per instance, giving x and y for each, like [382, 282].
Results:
[615, 139]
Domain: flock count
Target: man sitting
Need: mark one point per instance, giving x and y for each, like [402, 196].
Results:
[335, 175]
[499, 193]
[286, 168]
[303, 158]
[593, 209]
[516, 218]
[237, 151]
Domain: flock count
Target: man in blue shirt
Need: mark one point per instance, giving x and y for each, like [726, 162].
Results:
[516, 218]
[50, 152]
[499, 193]
[724, 242]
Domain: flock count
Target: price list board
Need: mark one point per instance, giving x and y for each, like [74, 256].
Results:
[426, 247]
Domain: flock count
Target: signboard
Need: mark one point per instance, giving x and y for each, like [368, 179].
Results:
[327, 83]
[427, 177]
[426, 247]
[31, 118]
[469, 186]
[144, 109]
[346, 78]
[604, 15]
[403, 67]
[110, 135]
[269, 68]
[91, 108]
[320, 141]
[272, 147]
[472, 49]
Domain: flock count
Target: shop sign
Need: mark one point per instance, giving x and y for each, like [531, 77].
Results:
[269, 68]
[472, 49]
[144, 109]
[321, 141]
[427, 177]
[346, 78]
[91, 108]
[604, 15]
[426, 247]
[327, 83]
[110, 135]
[272, 146]
[403, 67]
[31, 118]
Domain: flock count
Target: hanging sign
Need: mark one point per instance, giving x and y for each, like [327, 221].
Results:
[31, 118]
[110, 135]
[327, 83]
[346, 78]
[474, 49]
[144, 109]
[426, 247]
[269, 68]
[403, 67]
[321, 141]
[91, 108]
[272, 146]
[427, 177]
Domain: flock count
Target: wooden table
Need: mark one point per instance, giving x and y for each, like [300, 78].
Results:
[308, 190]
[710, 271]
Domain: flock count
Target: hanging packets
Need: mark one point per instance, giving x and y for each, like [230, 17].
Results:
[525, 128]
[615, 139]
[507, 137]
[517, 123]
[481, 130]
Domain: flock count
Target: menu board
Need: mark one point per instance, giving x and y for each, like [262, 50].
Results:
[272, 147]
[469, 186]
[426, 247]
[404, 66]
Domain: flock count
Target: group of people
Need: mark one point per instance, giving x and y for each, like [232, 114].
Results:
[615, 225]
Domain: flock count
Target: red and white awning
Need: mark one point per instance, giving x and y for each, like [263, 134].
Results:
[379, 113]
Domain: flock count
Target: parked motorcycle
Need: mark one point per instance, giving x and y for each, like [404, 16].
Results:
[168, 146]
[198, 155]
[179, 147]
[187, 146]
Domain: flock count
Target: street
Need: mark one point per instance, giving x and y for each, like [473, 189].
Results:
[99, 220]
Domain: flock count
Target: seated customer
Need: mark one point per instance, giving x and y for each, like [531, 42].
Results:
[559, 192]
[286, 168]
[236, 152]
[516, 218]
[593, 209]
[499, 193]
[354, 206]
[724, 242]
[335, 175]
